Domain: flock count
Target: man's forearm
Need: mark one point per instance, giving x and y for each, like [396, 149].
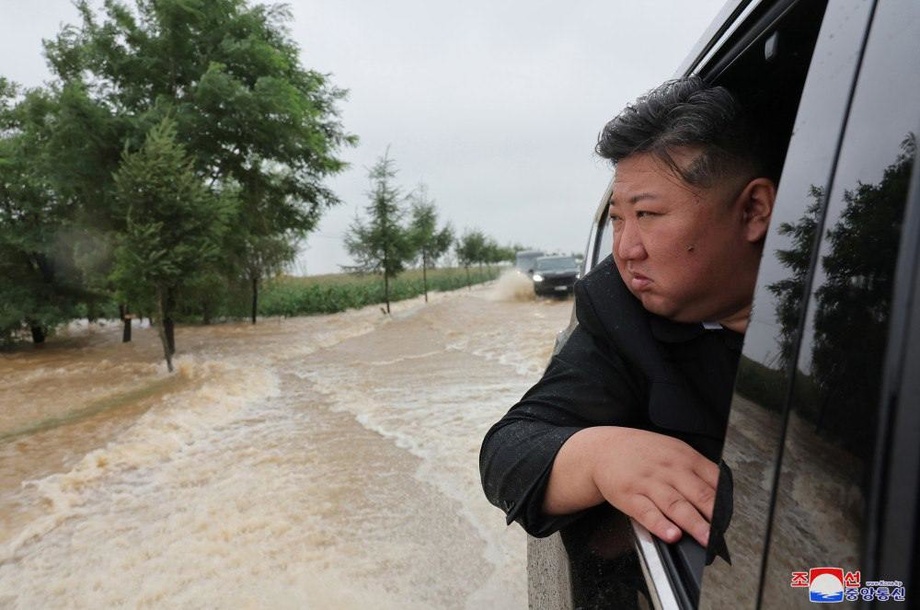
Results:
[571, 486]
[656, 479]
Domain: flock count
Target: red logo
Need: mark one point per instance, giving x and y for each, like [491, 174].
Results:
[851, 580]
[799, 579]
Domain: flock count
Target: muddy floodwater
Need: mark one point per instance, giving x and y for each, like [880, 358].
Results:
[315, 462]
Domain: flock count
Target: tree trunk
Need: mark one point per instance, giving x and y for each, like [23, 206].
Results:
[386, 290]
[168, 324]
[169, 327]
[126, 321]
[425, 275]
[161, 328]
[469, 285]
[38, 334]
[255, 298]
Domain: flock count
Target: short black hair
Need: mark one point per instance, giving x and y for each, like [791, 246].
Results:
[687, 113]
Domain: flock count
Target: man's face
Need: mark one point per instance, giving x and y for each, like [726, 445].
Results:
[681, 250]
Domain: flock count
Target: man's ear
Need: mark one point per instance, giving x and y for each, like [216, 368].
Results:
[756, 201]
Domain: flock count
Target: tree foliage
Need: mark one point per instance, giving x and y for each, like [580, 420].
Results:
[429, 242]
[393, 235]
[40, 283]
[381, 244]
[249, 115]
[255, 125]
[173, 227]
[475, 247]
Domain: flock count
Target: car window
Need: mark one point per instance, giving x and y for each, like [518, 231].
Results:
[605, 240]
[756, 421]
[822, 491]
[600, 240]
[556, 264]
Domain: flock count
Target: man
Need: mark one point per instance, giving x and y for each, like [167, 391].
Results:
[632, 410]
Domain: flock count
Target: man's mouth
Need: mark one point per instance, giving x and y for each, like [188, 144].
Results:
[638, 281]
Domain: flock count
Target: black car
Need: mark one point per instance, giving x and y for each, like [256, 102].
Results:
[555, 275]
[824, 433]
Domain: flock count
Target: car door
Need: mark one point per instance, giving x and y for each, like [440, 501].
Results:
[830, 287]
[763, 385]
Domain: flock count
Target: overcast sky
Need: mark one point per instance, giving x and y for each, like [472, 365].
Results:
[495, 105]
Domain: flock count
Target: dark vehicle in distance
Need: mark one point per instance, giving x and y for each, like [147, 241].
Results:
[524, 260]
[555, 275]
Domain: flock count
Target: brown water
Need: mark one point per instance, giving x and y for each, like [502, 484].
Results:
[321, 462]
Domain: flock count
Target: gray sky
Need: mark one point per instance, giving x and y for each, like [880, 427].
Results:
[494, 104]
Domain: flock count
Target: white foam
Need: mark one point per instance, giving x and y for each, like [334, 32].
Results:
[179, 421]
[223, 495]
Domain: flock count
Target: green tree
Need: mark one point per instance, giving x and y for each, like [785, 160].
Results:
[381, 244]
[40, 282]
[494, 254]
[173, 227]
[250, 117]
[429, 242]
[470, 249]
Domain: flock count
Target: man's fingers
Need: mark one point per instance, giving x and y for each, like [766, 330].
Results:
[666, 512]
[651, 518]
[685, 514]
[701, 495]
[708, 471]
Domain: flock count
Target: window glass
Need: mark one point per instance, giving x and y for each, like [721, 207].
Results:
[605, 240]
[821, 494]
[600, 244]
[756, 420]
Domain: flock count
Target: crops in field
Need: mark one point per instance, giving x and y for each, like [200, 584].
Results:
[297, 296]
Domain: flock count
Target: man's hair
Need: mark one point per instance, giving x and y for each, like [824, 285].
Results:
[687, 113]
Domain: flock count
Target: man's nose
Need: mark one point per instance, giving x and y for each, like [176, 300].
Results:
[627, 243]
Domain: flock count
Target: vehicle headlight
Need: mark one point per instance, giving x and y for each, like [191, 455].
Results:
[537, 277]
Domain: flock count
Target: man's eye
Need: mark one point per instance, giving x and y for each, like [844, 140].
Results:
[644, 214]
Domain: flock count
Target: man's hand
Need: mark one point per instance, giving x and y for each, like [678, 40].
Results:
[658, 480]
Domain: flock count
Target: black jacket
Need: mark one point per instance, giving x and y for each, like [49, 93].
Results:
[620, 366]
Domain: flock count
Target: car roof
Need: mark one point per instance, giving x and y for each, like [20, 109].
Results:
[715, 34]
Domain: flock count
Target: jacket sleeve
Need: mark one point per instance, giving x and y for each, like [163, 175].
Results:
[586, 384]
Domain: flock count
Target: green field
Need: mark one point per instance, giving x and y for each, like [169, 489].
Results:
[297, 296]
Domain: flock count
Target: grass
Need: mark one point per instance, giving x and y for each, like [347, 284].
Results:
[297, 296]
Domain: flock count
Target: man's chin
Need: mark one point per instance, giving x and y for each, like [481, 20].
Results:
[656, 305]
[667, 309]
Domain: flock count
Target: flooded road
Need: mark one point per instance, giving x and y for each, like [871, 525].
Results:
[320, 462]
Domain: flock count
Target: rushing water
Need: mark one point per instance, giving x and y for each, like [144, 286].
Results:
[319, 462]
